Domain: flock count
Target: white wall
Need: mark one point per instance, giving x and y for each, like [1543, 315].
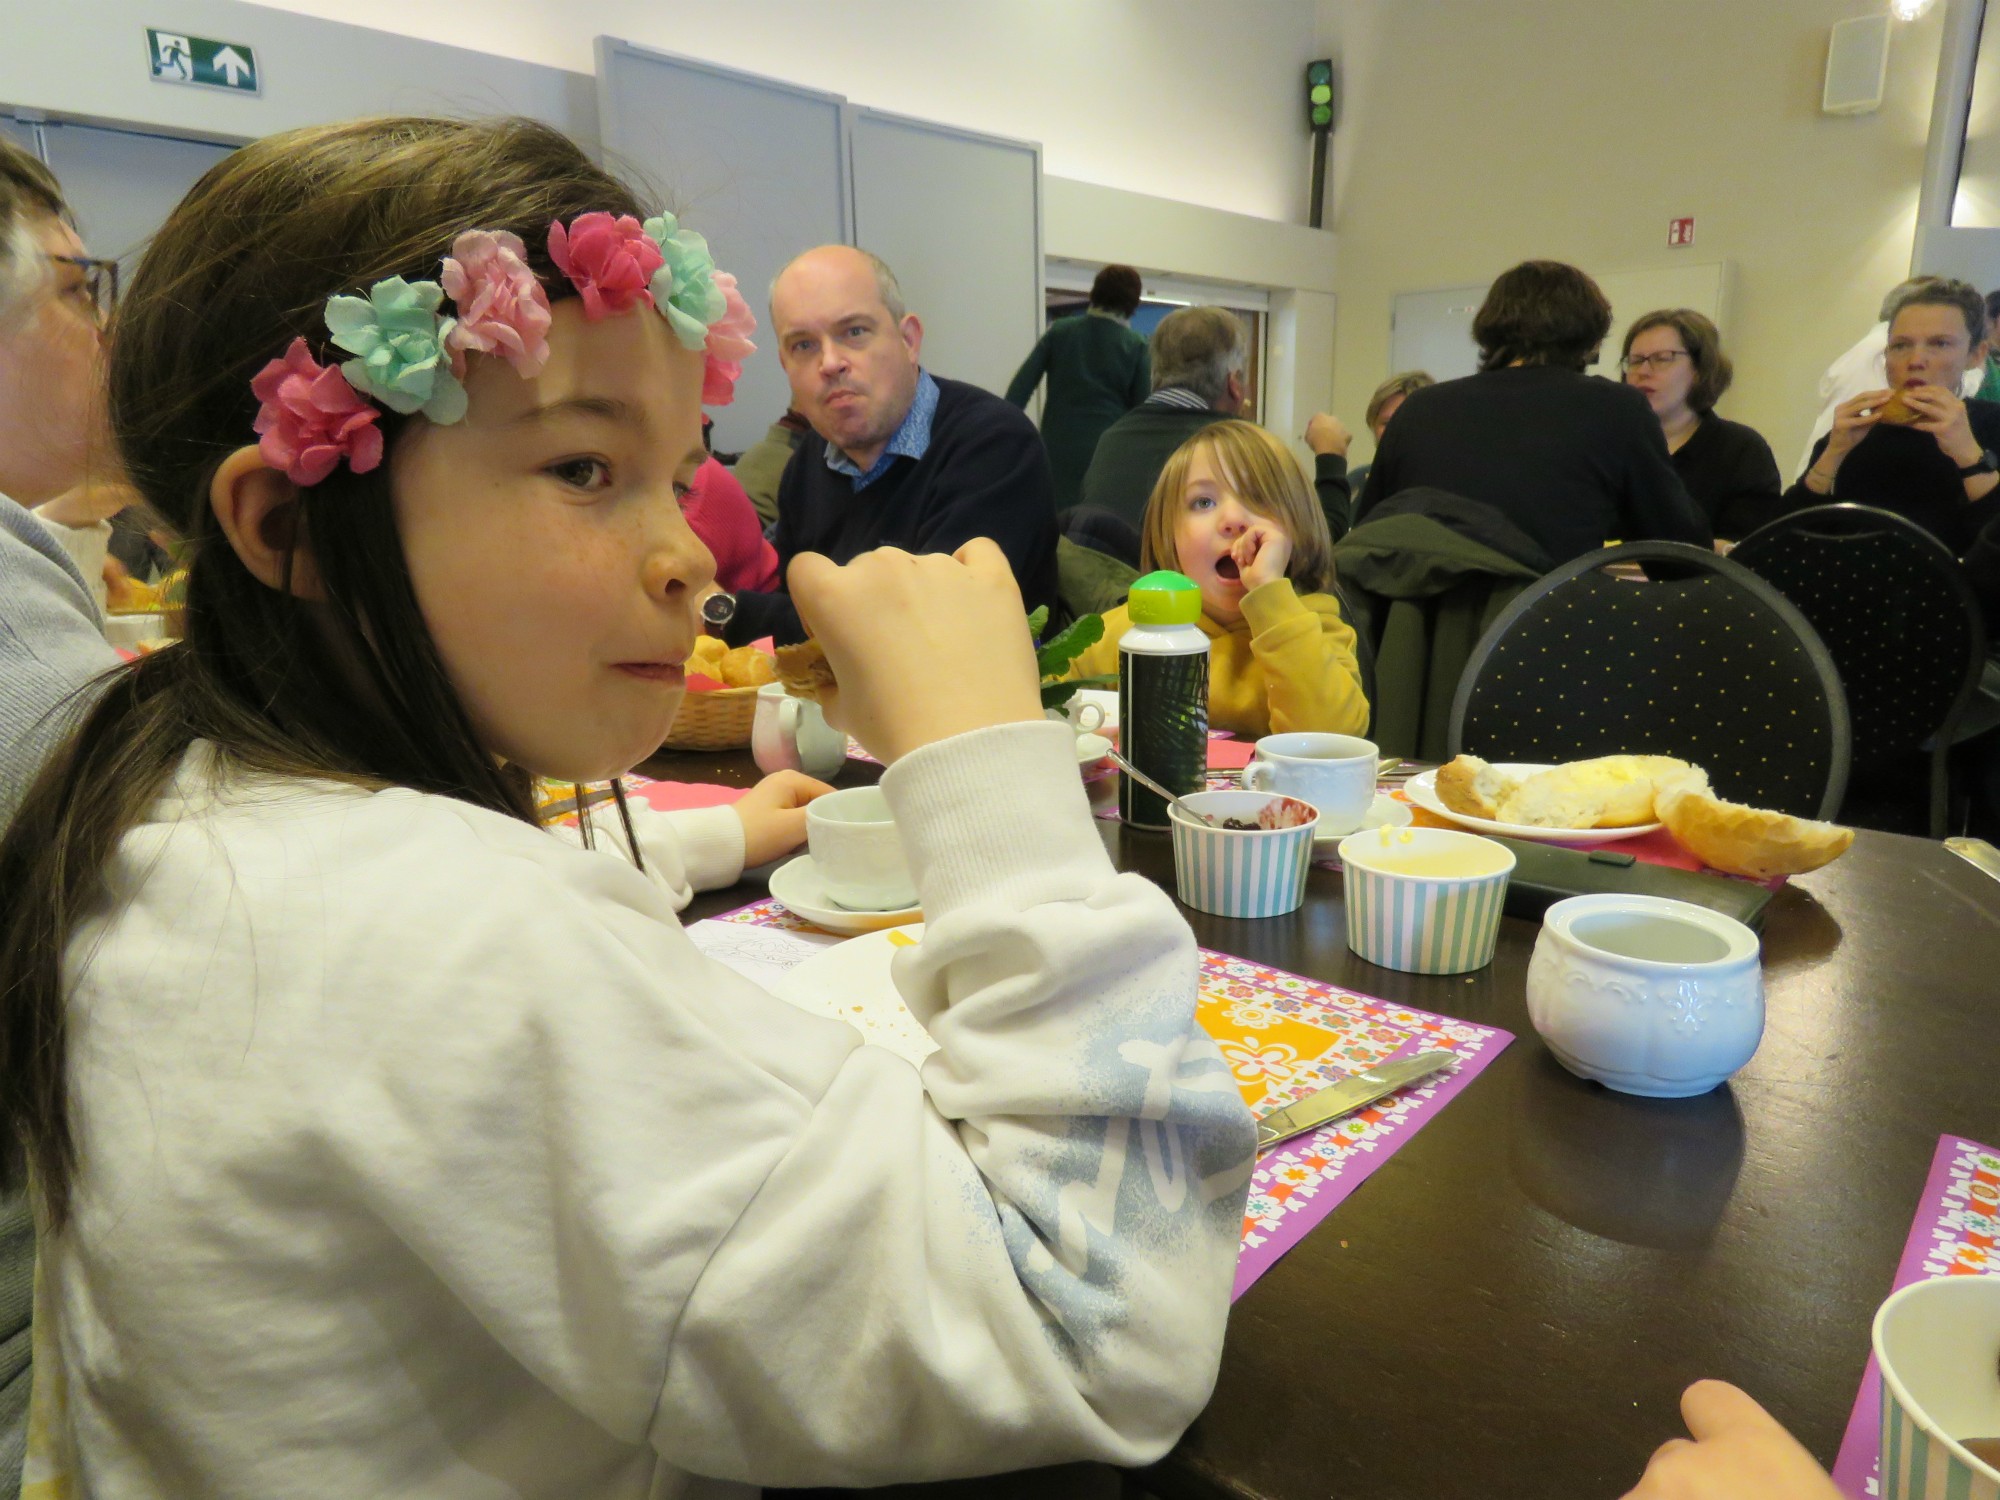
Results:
[1184, 99]
[1477, 135]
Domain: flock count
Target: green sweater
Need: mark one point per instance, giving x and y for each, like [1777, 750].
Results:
[1097, 369]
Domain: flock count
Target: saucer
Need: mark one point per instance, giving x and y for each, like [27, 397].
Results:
[1091, 748]
[797, 886]
[1384, 812]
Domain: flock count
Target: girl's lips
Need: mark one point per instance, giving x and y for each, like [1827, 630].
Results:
[653, 671]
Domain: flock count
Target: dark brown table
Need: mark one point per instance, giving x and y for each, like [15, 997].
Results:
[1513, 1303]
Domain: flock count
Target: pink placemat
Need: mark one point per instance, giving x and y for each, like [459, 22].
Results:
[679, 796]
[1953, 1234]
[1286, 1036]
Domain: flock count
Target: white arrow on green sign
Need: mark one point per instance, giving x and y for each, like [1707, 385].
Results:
[177, 57]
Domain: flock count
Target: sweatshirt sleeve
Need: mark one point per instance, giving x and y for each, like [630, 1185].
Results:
[711, 1221]
[1022, 386]
[1311, 678]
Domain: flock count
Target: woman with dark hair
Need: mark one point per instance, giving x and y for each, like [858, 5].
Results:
[1098, 370]
[1570, 460]
[1674, 359]
[1915, 447]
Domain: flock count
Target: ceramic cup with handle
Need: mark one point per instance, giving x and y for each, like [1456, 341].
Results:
[1646, 995]
[1334, 772]
[1936, 1344]
[857, 851]
[791, 734]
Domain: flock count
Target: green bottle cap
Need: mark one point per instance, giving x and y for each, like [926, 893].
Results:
[1164, 598]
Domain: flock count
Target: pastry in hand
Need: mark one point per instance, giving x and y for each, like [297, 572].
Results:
[804, 671]
[1741, 840]
[1897, 412]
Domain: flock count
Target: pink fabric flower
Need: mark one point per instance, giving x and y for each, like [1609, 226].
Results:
[501, 306]
[609, 261]
[728, 344]
[311, 418]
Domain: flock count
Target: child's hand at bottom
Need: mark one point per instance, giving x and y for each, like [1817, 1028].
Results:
[774, 815]
[1739, 1452]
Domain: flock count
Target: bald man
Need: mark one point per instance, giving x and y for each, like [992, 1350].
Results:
[896, 457]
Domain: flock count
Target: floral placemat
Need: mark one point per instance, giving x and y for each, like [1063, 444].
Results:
[1954, 1234]
[1284, 1036]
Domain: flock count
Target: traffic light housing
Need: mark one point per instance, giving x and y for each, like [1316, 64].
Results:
[1319, 95]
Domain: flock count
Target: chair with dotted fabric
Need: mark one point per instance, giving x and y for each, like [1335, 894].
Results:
[1900, 619]
[1702, 659]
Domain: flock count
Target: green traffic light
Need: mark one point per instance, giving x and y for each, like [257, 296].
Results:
[1321, 115]
[1322, 94]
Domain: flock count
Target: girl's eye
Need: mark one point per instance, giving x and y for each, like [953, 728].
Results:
[587, 474]
[1201, 502]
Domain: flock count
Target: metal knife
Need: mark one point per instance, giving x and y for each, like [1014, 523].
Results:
[1353, 1092]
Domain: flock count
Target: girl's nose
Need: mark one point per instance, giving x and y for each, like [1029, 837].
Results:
[678, 565]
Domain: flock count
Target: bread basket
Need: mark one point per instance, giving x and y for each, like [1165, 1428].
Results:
[718, 719]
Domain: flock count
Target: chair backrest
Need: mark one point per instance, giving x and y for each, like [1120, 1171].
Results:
[1704, 660]
[1895, 611]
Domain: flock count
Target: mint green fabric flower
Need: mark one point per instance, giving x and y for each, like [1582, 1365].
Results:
[684, 289]
[399, 338]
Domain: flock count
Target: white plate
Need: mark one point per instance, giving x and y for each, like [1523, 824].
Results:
[797, 886]
[1384, 812]
[1422, 790]
[851, 982]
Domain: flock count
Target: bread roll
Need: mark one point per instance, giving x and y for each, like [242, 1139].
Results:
[1741, 840]
[1614, 791]
[804, 671]
[1897, 412]
[706, 657]
[1469, 785]
[746, 666]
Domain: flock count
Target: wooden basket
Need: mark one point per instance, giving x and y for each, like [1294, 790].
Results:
[718, 719]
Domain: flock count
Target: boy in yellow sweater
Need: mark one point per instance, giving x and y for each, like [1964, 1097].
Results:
[1232, 510]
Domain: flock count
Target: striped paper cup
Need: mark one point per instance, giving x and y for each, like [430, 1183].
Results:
[1243, 872]
[1424, 900]
[1934, 1344]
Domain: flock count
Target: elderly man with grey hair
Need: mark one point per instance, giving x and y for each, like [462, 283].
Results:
[1200, 361]
[897, 456]
[50, 646]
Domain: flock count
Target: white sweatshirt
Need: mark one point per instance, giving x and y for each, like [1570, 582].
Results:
[424, 1155]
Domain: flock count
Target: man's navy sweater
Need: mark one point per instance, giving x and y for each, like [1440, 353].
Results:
[984, 474]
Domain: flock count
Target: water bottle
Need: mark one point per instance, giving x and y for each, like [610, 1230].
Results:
[1162, 695]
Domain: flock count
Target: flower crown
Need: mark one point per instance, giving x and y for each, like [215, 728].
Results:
[409, 355]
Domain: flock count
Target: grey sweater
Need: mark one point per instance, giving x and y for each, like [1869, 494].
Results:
[50, 649]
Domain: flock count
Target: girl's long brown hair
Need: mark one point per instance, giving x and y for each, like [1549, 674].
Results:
[351, 689]
[1265, 476]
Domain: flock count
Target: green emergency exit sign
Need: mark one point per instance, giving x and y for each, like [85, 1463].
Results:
[176, 57]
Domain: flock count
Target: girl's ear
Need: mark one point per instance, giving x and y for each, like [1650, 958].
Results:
[265, 520]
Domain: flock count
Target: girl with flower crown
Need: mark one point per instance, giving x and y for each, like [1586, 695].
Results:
[385, 1142]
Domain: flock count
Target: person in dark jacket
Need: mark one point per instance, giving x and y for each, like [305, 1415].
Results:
[1674, 359]
[1927, 455]
[1572, 460]
[897, 457]
[1097, 368]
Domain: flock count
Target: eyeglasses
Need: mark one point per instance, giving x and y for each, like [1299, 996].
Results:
[1659, 361]
[100, 281]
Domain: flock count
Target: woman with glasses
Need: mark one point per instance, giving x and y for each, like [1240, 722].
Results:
[50, 648]
[1571, 461]
[1674, 359]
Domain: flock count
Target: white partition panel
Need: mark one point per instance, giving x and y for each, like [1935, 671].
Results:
[756, 165]
[122, 184]
[959, 218]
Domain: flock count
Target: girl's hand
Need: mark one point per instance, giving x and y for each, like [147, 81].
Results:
[1262, 554]
[922, 647]
[774, 815]
[1942, 415]
[1739, 1452]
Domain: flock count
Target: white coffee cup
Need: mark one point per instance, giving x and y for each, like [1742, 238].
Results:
[1334, 772]
[791, 734]
[857, 851]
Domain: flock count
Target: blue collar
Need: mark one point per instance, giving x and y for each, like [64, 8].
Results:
[911, 439]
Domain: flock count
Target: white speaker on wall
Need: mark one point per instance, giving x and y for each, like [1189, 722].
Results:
[1857, 66]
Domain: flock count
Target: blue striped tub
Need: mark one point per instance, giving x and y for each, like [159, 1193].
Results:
[1249, 872]
[1423, 925]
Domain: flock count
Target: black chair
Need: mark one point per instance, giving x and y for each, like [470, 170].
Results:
[1894, 608]
[1702, 659]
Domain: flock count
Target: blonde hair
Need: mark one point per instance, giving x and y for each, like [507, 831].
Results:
[1264, 476]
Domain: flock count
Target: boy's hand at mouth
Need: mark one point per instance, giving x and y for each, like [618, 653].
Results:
[1261, 554]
